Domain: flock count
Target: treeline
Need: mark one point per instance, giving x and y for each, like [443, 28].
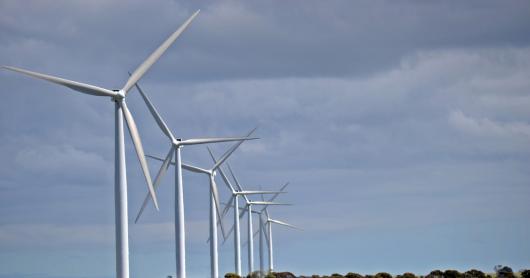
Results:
[500, 272]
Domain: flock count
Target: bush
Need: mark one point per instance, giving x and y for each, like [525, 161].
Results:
[504, 272]
[232, 275]
[525, 273]
[435, 274]
[407, 275]
[270, 275]
[473, 273]
[337, 275]
[383, 275]
[450, 273]
[353, 275]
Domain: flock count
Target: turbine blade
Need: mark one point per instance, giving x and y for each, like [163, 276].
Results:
[214, 140]
[254, 192]
[228, 205]
[277, 194]
[156, 115]
[158, 158]
[146, 65]
[266, 212]
[158, 178]
[74, 85]
[264, 203]
[195, 169]
[215, 193]
[135, 136]
[284, 224]
[231, 150]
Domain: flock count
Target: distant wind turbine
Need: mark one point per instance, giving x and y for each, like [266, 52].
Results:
[234, 203]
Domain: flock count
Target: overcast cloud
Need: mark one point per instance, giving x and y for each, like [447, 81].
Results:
[402, 126]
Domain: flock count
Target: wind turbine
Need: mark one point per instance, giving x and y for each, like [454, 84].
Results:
[234, 198]
[248, 207]
[215, 208]
[268, 222]
[175, 148]
[121, 111]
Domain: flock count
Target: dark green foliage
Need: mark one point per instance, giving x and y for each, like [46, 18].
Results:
[368, 276]
[473, 273]
[232, 275]
[284, 275]
[315, 276]
[353, 275]
[270, 275]
[525, 273]
[407, 275]
[503, 271]
[435, 274]
[450, 273]
[383, 275]
[337, 275]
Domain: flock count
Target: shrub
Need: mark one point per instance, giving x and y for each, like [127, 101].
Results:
[270, 275]
[407, 275]
[383, 275]
[450, 273]
[232, 275]
[353, 275]
[473, 273]
[504, 272]
[525, 273]
[337, 275]
[435, 274]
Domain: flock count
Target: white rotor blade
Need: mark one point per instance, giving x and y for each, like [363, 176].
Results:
[144, 67]
[228, 206]
[74, 85]
[249, 192]
[268, 203]
[133, 131]
[195, 169]
[284, 224]
[214, 140]
[229, 152]
[161, 173]
[156, 115]
[215, 193]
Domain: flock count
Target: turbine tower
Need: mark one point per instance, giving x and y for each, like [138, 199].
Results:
[267, 232]
[121, 111]
[175, 148]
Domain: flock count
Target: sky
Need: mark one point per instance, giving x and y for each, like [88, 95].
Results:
[402, 126]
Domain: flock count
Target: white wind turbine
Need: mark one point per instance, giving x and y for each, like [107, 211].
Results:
[121, 111]
[215, 209]
[248, 207]
[235, 205]
[175, 148]
[267, 223]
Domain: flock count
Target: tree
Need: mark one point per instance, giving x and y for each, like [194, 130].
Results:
[407, 275]
[450, 273]
[232, 275]
[473, 273]
[353, 275]
[383, 275]
[525, 273]
[435, 274]
[504, 272]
